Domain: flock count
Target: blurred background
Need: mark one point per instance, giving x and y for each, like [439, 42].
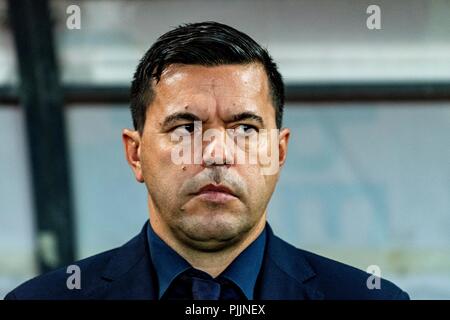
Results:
[367, 181]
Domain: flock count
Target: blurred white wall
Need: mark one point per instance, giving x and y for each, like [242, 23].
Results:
[313, 41]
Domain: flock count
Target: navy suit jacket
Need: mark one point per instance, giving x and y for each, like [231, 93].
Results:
[286, 273]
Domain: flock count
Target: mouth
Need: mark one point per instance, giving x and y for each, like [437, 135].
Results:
[215, 193]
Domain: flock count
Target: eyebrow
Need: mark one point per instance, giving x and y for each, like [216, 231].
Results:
[187, 116]
[247, 116]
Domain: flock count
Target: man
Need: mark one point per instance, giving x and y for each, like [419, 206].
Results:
[207, 236]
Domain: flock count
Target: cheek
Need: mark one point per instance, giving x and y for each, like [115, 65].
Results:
[156, 162]
[258, 185]
[158, 152]
[254, 181]
[162, 177]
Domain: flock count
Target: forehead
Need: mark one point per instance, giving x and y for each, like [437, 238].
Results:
[252, 76]
[204, 89]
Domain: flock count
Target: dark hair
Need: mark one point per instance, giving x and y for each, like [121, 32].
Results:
[207, 44]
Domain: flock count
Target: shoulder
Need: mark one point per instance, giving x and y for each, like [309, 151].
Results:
[96, 272]
[336, 280]
[53, 285]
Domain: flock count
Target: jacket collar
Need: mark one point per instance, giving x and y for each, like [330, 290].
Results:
[285, 273]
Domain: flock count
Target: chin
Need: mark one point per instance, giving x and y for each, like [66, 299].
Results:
[213, 231]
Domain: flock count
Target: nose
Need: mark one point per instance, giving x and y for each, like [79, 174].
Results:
[217, 149]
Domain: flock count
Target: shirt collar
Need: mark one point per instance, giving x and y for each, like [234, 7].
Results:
[167, 262]
[243, 271]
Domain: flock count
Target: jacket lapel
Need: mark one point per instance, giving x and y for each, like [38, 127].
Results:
[285, 273]
[129, 274]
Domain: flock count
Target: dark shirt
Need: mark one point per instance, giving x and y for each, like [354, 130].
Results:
[238, 280]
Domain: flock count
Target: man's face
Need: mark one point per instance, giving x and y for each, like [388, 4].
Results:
[206, 204]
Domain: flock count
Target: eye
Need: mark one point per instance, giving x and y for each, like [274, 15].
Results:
[246, 129]
[184, 129]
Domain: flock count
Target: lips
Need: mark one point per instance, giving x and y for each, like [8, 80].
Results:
[215, 188]
[215, 193]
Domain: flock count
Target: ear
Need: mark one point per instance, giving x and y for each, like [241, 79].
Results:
[132, 143]
[283, 145]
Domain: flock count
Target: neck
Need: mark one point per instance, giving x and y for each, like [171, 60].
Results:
[211, 262]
